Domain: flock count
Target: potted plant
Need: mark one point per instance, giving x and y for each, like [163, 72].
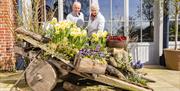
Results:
[172, 56]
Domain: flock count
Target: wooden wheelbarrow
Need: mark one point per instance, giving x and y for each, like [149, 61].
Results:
[43, 75]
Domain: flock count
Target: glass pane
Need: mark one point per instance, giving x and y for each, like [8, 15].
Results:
[147, 10]
[107, 27]
[134, 9]
[147, 32]
[117, 9]
[172, 9]
[172, 31]
[135, 31]
[104, 6]
[51, 9]
[117, 27]
[84, 8]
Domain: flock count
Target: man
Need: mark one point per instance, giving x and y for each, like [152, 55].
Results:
[76, 16]
[96, 22]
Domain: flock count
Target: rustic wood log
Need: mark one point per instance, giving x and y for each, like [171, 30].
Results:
[124, 56]
[113, 71]
[37, 37]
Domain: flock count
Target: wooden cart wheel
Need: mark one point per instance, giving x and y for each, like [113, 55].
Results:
[41, 76]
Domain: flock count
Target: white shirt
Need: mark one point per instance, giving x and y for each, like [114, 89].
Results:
[71, 17]
[97, 24]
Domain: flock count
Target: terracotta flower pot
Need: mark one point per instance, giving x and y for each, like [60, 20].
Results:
[172, 59]
[116, 42]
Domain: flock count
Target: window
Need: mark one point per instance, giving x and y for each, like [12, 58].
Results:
[19, 7]
[172, 30]
[140, 15]
[141, 20]
[104, 6]
[113, 11]
[172, 22]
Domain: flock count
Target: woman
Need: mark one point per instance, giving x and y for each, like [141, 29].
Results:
[96, 21]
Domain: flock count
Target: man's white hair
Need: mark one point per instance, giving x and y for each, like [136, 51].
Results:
[95, 6]
[77, 3]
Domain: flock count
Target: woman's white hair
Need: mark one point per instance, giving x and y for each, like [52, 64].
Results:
[95, 6]
[77, 3]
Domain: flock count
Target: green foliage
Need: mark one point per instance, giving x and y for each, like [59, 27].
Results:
[137, 79]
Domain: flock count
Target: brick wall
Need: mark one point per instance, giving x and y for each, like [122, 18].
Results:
[7, 21]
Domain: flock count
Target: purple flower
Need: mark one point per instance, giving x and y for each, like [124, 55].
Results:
[98, 48]
[108, 37]
[101, 54]
[137, 64]
[80, 52]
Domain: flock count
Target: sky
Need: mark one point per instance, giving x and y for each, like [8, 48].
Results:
[118, 8]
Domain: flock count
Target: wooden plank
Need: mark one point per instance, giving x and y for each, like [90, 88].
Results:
[20, 51]
[115, 82]
[22, 30]
[45, 48]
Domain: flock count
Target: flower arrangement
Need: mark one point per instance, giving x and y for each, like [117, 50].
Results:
[66, 34]
[98, 38]
[66, 29]
[95, 55]
[137, 64]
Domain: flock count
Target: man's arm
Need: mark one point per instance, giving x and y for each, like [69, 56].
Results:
[101, 23]
[82, 16]
[68, 18]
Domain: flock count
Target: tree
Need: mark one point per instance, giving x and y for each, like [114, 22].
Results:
[147, 10]
[176, 5]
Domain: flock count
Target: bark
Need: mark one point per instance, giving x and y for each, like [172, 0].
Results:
[113, 71]
[176, 23]
[33, 35]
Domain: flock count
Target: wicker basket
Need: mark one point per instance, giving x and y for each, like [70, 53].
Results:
[172, 59]
[116, 44]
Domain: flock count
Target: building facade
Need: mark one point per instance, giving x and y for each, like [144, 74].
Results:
[143, 20]
[7, 24]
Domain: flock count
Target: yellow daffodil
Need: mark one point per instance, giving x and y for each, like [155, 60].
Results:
[53, 21]
[95, 37]
[57, 26]
[105, 33]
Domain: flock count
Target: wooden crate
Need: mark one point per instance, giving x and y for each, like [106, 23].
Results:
[86, 65]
